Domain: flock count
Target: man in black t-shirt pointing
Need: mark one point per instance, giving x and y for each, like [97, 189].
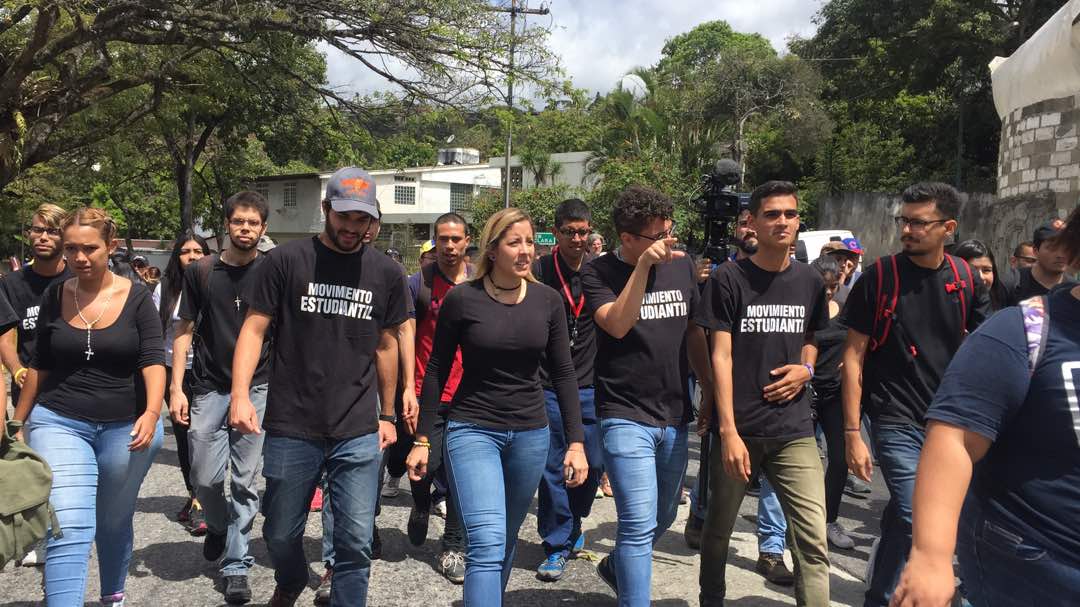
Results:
[762, 312]
[336, 305]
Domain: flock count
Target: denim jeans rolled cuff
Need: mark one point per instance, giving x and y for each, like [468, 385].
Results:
[1001, 567]
[493, 474]
[292, 468]
[215, 448]
[560, 510]
[645, 465]
[96, 482]
[897, 448]
[771, 524]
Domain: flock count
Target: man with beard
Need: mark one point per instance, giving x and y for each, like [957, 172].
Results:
[906, 317]
[213, 305]
[336, 306]
[23, 290]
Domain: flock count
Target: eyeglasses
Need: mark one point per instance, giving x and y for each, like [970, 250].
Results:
[37, 231]
[570, 232]
[916, 225]
[668, 233]
[775, 214]
[239, 223]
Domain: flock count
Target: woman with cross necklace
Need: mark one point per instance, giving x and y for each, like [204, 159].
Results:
[92, 402]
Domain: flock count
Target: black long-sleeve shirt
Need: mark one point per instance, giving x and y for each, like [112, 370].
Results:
[501, 346]
[108, 387]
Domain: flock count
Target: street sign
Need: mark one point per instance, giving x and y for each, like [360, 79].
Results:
[545, 239]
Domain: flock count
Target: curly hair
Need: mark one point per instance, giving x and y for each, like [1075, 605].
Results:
[637, 205]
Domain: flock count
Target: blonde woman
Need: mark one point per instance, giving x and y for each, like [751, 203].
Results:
[497, 433]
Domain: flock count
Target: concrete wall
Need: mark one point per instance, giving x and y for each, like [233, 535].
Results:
[1040, 149]
[1000, 223]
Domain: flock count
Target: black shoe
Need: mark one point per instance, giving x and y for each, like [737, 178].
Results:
[774, 570]
[213, 546]
[606, 569]
[754, 487]
[856, 487]
[376, 545]
[322, 593]
[283, 598]
[418, 525]
[237, 591]
[692, 532]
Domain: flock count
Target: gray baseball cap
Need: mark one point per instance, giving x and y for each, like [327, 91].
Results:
[352, 189]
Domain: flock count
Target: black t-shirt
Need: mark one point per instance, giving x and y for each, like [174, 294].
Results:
[329, 310]
[644, 376]
[8, 317]
[1029, 481]
[897, 387]
[1026, 286]
[220, 314]
[830, 344]
[770, 316]
[109, 386]
[23, 290]
[582, 329]
[501, 346]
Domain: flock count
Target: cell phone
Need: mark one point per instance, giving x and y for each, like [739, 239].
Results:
[568, 474]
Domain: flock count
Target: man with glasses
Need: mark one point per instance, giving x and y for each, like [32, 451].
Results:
[214, 299]
[642, 298]
[23, 290]
[560, 509]
[894, 359]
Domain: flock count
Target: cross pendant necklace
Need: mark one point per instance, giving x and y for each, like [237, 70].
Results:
[90, 324]
[237, 302]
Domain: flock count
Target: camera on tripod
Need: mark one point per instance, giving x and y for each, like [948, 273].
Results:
[719, 205]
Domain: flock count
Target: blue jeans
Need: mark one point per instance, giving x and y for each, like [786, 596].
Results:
[771, 524]
[1001, 568]
[646, 466]
[214, 445]
[494, 474]
[560, 510]
[96, 481]
[897, 448]
[292, 467]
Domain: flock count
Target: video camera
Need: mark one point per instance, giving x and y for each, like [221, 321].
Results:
[719, 205]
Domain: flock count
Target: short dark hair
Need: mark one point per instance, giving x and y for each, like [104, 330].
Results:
[1019, 250]
[768, 190]
[572, 209]
[825, 265]
[451, 217]
[249, 199]
[637, 205]
[946, 198]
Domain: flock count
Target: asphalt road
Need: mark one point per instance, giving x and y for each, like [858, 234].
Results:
[167, 567]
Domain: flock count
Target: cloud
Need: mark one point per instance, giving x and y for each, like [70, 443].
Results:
[600, 40]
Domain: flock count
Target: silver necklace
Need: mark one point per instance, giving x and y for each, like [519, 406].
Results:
[90, 325]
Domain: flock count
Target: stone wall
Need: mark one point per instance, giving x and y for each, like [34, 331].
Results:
[1040, 149]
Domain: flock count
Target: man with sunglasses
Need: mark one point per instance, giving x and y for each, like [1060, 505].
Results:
[23, 290]
[894, 374]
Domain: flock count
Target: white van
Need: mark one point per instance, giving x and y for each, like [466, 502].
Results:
[813, 241]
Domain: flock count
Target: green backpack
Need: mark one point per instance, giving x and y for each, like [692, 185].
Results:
[25, 481]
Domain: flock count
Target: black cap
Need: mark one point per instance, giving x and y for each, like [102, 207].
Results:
[1042, 233]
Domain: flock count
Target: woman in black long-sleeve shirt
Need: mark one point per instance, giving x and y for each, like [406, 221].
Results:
[497, 432]
[93, 397]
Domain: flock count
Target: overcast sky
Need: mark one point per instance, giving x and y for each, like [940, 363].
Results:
[600, 40]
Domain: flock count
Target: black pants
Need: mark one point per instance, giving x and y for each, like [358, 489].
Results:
[830, 413]
[183, 450]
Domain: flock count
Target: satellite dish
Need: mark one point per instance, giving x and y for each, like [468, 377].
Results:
[633, 84]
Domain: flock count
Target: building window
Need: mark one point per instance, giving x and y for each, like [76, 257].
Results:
[404, 194]
[404, 179]
[515, 178]
[289, 194]
[461, 196]
[263, 189]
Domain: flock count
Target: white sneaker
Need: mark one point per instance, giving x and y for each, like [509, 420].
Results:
[36, 556]
[439, 509]
[391, 488]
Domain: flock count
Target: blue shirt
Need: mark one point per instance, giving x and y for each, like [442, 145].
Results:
[1029, 481]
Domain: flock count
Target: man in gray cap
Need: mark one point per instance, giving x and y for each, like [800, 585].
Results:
[333, 306]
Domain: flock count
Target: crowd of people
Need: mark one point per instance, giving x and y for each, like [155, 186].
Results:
[493, 375]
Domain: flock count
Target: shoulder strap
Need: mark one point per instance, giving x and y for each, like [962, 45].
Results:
[203, 267]
[1036, 316]
[961, 287]
[423, 296]
[885, 311]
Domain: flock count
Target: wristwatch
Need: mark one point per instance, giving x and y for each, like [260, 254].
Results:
[388, 418]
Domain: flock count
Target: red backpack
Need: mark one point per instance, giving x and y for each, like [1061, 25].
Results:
[885, 301]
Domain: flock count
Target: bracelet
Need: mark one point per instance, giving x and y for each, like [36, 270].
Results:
[20, 371]
[388, 418]
[809, 368]
[420, 443]
[852, 429]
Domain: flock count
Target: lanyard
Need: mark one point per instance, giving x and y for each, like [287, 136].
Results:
[580, 305]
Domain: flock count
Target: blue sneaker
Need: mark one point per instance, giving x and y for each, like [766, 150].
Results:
[579, 545]
[552, 568]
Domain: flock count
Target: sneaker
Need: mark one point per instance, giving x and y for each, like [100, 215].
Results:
[213, 546]
[684, 497]
[322, 593]
[606, 569]
[599, 493]
[237, 591]
[579, 544]
[197, 522]
[113, 600]
[185, 513]
[316, 500]
[857, 487]
[552, 568]
[692, 532]
[773, 569]
[283, 598]
[36, 556]
[439, 509]
[376, 545]
[418, 526]
[838, 536]
[452, 566]
[391, 488]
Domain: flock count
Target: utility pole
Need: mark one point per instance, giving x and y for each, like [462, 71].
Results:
[514, 11]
